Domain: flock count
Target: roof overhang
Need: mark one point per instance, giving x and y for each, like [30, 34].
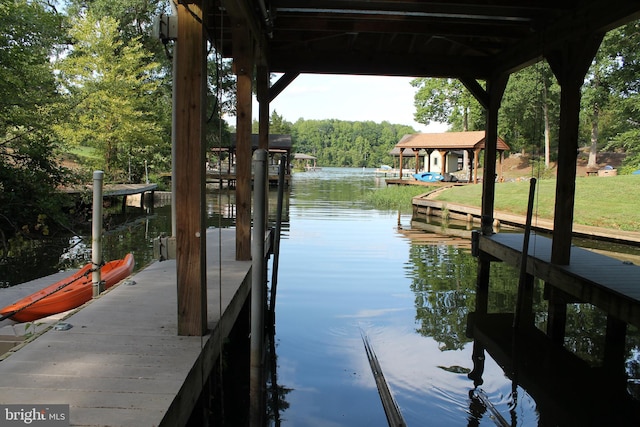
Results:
[461, 39]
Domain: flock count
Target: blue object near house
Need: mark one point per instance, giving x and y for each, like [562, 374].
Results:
[428, 177]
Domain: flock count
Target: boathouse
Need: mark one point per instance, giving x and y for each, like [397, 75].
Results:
[479, 43]
[223, 168]
[449, 152]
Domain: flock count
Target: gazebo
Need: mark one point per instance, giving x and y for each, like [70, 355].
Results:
[470, 143]
[301, 157]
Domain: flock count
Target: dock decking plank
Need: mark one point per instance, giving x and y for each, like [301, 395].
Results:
[122, 363]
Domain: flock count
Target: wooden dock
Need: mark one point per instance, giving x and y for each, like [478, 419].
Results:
[605, 282]
[424, 206]
[122, 363]
[111, 190]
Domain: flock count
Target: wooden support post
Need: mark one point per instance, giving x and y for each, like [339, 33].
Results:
[443, 155]
[495, 90]
[482, 283]
[243, 64]
[557, 315]
[615, 346]
[476, 156]
[96, 233]
[190, 91]
[262, 83]
[570, 65]
[416, 152]
[401, 163]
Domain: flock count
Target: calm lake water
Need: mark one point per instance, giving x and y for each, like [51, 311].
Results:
[349, 271]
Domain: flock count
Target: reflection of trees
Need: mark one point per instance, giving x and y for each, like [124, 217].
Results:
[276, 402]
[444, 281]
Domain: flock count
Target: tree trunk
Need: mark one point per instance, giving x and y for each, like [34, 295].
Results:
[547, 127]
[593, 151]
[465, 119]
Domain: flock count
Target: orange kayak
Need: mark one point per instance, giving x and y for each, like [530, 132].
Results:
[68, 293]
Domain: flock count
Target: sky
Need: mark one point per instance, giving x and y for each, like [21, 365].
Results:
[349, 98]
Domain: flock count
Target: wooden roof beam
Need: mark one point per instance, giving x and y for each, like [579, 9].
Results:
[281, 84]
[505, 9]
[376, 24]
[365, 63]
[596, 17]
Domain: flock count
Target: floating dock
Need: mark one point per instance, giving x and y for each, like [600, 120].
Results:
[122, 362]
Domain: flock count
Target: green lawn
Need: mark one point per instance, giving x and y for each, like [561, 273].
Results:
[610, 202]
[84, 152]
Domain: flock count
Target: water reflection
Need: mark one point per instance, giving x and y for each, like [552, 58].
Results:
[346, 267]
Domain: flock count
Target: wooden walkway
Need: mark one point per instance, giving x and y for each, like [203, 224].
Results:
[426, 206]
[123, 363]
[602, 281]
[117, 189]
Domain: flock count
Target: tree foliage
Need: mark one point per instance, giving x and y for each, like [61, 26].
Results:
[623, 130]
[30, 170]
[111, 87]
[446, 101]
[345, 143]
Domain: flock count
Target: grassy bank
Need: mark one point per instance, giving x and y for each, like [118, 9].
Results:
[611, 202]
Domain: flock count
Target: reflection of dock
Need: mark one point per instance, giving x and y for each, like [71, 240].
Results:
[567, 391]
[556, 378]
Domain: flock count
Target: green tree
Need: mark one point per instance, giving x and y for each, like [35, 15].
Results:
[529, 111]
[30, 171]
[446, 101]
[111, 86]
[278, 125]
[622, 131]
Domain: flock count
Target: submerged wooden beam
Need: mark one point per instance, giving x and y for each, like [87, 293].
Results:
[391, 409]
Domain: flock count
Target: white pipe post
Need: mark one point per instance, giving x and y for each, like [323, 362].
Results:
[174, 121]
[96, 233]
[258, 291]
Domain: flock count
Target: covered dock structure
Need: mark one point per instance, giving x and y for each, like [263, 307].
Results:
[469, 143]
[480, 43]
[224, 169]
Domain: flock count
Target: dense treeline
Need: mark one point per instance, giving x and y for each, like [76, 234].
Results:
[342, 143]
